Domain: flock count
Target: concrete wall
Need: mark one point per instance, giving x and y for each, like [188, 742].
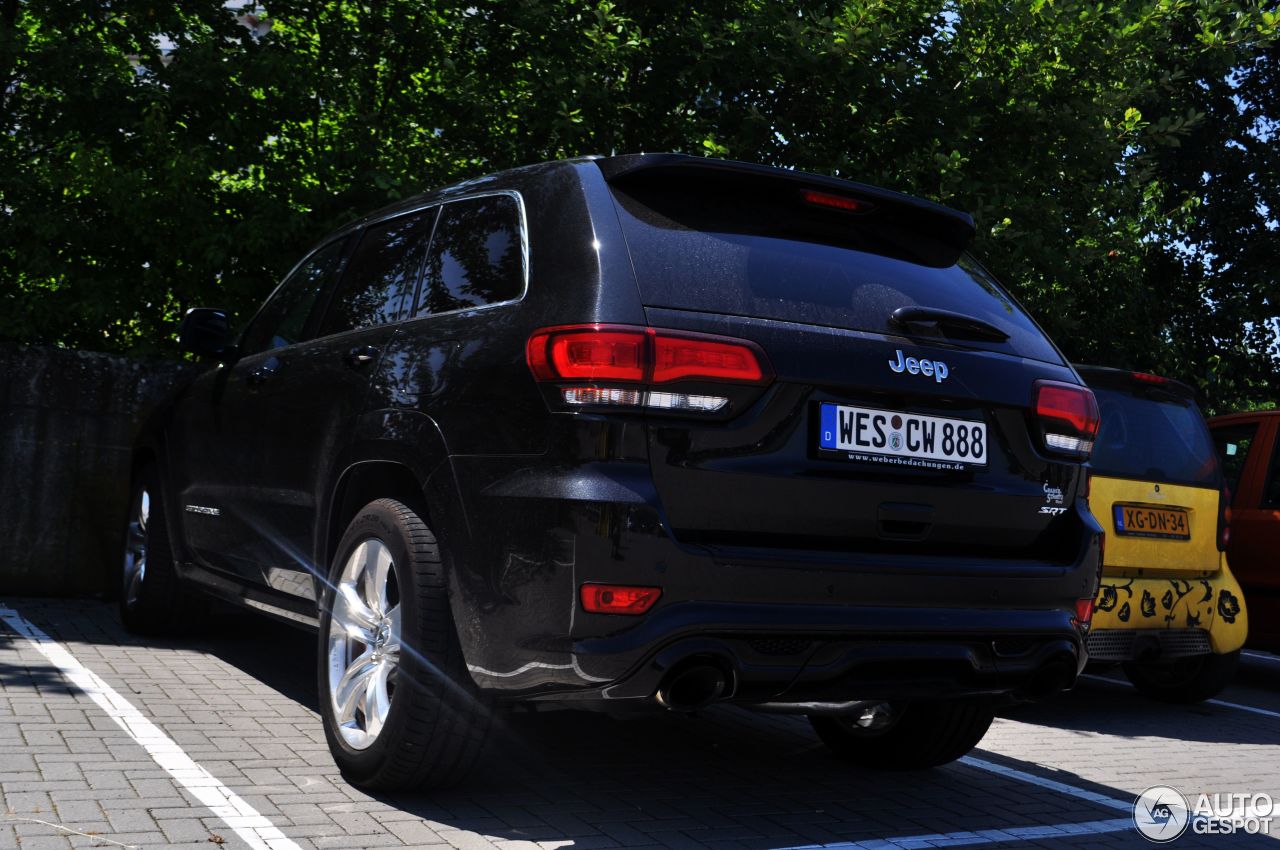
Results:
[67, 420]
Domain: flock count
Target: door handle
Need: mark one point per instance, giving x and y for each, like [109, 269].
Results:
[361, 355]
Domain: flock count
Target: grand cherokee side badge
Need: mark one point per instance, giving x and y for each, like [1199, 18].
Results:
[935, 368]
[202, 509]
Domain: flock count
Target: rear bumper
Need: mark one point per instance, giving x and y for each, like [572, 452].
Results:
[784, 625]
[829, 654]
[1168, 617]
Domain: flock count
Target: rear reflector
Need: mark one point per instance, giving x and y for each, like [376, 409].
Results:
[618, 599]
[627, 354]
[1069, 416]
[1084, 611]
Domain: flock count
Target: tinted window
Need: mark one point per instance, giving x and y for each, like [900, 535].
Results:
[382, 278]
[1233, 443]
[1271, 493]
[476, 256]
[283, 319]
[720, 249]
[1155, 438]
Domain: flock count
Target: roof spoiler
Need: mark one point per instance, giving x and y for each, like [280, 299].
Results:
[952, 228]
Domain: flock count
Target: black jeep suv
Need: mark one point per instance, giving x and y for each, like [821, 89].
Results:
[647, 428]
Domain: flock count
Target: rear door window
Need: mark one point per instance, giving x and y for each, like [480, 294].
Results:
[719, 249]
[382, 278]
[1233, 443]
[1161, 438]
[476, 256]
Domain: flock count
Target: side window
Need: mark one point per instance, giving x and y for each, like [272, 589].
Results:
[1271, 490]
[476, 256]
[1233, 443]
[283, 319]
[382, 277]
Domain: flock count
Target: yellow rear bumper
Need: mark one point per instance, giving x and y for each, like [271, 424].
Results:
[1214, 604]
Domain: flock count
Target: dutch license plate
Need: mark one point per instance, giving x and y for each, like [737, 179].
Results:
[1143, 521]
[905, 439]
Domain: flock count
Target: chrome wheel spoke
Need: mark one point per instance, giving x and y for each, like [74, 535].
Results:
[352, 616]
[377, 701]
[380, 572]
[392, 647]
[352, 687]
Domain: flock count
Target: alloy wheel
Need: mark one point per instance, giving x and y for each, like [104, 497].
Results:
[135, 548]
[364, 643]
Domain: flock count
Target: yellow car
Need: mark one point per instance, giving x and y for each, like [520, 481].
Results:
[1168, 608]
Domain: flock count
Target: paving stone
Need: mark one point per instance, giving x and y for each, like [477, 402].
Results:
[727, 780]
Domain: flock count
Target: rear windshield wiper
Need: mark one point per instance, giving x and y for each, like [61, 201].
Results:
[947, 320]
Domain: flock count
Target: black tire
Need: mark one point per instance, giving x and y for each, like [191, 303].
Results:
[1185, 680]
[152, 600]
[437, 722]
[922, 735]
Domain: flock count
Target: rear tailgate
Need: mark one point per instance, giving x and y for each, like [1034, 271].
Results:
[1157, 481]
[878, 436]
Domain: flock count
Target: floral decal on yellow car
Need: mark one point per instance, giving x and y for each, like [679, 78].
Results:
[1185, 604]
[1228, 606]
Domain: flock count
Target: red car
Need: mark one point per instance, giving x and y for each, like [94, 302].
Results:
[1246, 444]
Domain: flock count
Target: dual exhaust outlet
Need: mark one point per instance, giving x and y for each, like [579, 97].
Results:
[698, 682]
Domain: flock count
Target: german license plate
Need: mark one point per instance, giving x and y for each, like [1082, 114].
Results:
[904, 439]
[1143, 521]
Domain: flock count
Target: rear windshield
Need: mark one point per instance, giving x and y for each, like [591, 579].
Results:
[718, 250]
[1156, 438]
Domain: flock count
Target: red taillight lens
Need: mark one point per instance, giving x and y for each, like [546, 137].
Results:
[1084, 611]
[624, 354]
[588, 353]
[676, 357]
[1067, 404]
[618, 599]
[1148, 378]
[1069, 415]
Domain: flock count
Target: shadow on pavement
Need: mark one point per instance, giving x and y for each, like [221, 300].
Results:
[727, 779]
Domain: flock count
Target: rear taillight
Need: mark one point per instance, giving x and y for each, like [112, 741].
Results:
[1084, 612]
[1068, 416]
[626, 366]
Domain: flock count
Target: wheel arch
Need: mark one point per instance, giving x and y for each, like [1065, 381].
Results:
[417, 474]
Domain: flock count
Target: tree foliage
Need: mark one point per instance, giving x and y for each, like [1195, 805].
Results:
[1119, 157]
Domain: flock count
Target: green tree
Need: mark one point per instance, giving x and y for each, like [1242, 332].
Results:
[136, 181]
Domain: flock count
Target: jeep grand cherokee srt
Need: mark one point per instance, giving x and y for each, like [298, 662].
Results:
[645, 428]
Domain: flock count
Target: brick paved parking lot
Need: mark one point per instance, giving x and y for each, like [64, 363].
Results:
[238, 701]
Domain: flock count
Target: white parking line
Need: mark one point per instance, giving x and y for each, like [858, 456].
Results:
[980, 836]
[1051, 784]
[1221, 702]
[245, 821]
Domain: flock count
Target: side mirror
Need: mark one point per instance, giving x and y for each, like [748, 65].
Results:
[205, 332]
